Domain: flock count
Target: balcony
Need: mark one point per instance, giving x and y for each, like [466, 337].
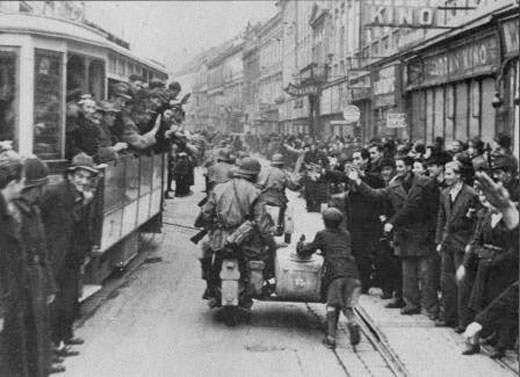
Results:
[314, 74]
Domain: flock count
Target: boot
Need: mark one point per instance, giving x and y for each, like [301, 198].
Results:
[332, 326]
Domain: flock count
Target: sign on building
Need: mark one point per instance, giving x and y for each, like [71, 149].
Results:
[351, 114]
[396, 120]
[403, 16]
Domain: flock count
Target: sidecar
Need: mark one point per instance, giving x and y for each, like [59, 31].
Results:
[297, 279]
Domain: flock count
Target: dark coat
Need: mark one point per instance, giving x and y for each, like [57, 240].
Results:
[68, 228]
[455, 224]
[335, 245]
[40, 285]
[415, 214]
[14, 298]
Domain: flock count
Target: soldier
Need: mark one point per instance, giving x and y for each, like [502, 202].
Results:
[273, 182]
[65, 210]
[230, 204]
[222, 171]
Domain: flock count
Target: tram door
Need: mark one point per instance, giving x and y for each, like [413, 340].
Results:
[9, 94]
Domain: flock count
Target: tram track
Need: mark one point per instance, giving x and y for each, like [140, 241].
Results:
[392, 361]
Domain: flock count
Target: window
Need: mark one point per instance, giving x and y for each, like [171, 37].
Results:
[96, 79]
[48, 99]
[395, 38]
[8, 94]
[385, 43]
[76, 75]
[375, 49]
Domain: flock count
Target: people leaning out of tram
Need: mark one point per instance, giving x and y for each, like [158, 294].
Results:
[341, 279]
[91, 133]
[66, 210]
[272, 182]
[230, 205]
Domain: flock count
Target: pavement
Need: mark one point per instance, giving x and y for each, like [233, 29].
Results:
[154, 324]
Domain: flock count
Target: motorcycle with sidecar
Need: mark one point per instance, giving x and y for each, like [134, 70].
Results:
[298, 279]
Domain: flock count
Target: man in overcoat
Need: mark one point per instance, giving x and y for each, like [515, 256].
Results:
[13, 297]
[66, 210]
[41, 287]
[415, 200]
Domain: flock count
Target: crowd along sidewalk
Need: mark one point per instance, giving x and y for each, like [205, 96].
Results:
[423, 349]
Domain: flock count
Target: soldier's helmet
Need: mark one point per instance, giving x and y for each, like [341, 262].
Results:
[277, 159]
[224, 155]
[333, 215]
[36, 172]
[249, 167]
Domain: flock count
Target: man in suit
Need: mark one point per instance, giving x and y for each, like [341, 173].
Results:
[66, 213]
[455, 224]
[415, 201]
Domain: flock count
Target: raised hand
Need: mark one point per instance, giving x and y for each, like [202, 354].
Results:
[495, 193]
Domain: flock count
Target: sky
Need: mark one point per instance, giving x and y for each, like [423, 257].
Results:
[172, 32]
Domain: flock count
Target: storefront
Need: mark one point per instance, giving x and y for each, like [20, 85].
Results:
[450, 87]
[508, 93]
[360, 94]
[387, 104]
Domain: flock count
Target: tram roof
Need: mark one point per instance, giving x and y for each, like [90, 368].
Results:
[64, 29]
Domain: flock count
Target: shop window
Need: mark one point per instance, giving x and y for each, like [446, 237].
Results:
[449, 112]
[430, 114]
[474, 114]
[96, 79]
[488, 129]
[438, 121]
[8, 94]
[48, 100]
[461, 111]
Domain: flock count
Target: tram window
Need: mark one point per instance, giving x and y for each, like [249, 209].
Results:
[8, 95]
[76, 74]
[48, 105]
[96, 79]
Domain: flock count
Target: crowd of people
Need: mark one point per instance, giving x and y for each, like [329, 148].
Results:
[421, 230]
[48, 228]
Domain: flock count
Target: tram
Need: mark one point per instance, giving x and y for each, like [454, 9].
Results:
[42, 59]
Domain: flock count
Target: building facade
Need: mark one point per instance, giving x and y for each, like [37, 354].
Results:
[414, 71]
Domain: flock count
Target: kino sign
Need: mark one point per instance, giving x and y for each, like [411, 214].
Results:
[395, 16]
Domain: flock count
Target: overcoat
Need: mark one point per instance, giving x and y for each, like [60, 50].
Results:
[229, 205]
[455, 224]
[415, 214]
[69, 234]
[14, 298]
[40, 285]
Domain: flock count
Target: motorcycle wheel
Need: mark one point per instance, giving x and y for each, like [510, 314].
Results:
[230, 316]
